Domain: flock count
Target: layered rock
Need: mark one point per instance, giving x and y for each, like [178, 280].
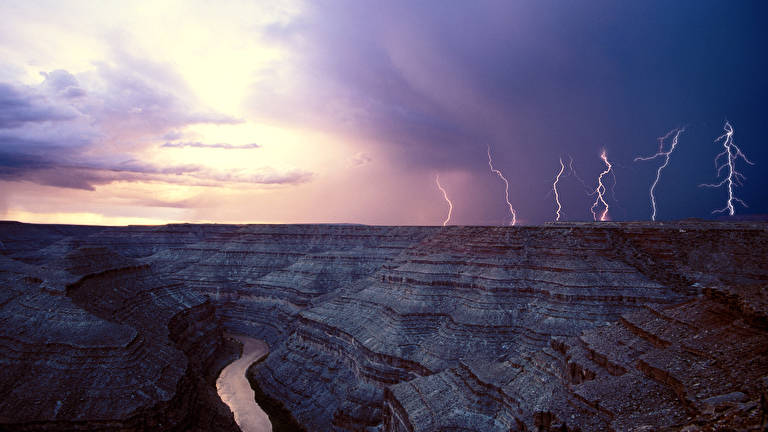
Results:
[261, 276]
[568, 327]
[699, 363]
[98, 314]
[656, 369]
[463, 294]
[97, 341]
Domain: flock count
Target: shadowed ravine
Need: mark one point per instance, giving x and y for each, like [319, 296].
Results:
[235, 390]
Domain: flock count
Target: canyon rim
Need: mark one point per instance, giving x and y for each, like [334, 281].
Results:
[569, 326]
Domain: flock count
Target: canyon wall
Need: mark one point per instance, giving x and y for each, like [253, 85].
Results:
[562, 327]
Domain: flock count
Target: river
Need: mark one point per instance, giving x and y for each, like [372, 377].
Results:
[235, 390]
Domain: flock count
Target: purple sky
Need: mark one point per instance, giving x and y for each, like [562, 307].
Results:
[333, 111]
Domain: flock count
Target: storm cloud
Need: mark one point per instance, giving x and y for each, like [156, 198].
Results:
[83, 174]
[48, 132]
[435, 83]
[20, 105]
[371, 99]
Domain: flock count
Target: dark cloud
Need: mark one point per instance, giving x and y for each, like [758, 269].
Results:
[21, 105]
[63, 83]
[54, 168]
[18, 162]
[353, 69]
[48, 132]
[434, 82]
[74, 174]
[223, 146]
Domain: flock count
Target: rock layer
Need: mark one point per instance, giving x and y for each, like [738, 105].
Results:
[93, 340]
[567, 327]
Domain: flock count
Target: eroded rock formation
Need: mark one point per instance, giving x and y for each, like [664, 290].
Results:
[564, 327]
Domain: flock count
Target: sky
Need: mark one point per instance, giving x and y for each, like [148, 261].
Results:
[150, 112]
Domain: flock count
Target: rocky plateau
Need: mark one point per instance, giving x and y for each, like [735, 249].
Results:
[563, 327]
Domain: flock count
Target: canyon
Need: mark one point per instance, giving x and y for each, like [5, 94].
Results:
[568, 326]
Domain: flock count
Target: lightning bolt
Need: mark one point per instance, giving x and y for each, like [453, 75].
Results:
[600, 191]
[506, 188]
[662, 154]
[732, 153]
[572, 170]
[554, 188]
[445, 196]
[563, 173]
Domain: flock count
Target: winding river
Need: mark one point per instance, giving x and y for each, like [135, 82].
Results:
[235, 390]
